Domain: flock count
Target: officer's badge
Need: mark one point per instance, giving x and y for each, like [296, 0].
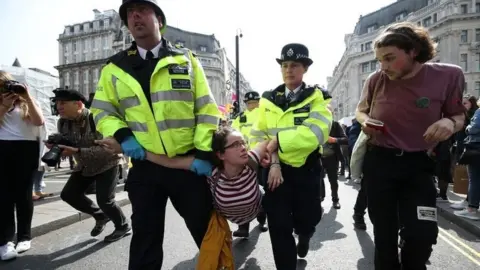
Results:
[290, 52]
[132, 52]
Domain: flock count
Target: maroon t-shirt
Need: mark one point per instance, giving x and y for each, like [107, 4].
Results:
[408, 107]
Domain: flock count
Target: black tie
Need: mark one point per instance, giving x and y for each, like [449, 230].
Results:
[149, 55]
[290, 96]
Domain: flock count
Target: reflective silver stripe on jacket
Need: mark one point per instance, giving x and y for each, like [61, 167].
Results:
[273, 131]
[172, 95]
[319, 116]
[107, 110]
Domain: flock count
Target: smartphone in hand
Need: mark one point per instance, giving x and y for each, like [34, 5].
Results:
[375, 124]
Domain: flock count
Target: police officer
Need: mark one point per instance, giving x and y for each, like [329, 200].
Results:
[155, 97]
[243, 123]
[295, 118]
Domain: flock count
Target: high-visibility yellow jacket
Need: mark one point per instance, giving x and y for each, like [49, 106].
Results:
[244, 122]
[183, 115]
[300, 126]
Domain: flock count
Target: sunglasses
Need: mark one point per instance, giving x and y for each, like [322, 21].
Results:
[236, 144]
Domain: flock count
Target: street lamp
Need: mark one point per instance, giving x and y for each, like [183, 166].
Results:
[237, 67]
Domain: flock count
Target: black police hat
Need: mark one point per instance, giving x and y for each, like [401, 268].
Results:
[123, 11]
[252, 95]
[295, 52]
[68, 95]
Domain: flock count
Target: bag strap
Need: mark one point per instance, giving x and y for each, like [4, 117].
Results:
[93, 128]
[376, 80]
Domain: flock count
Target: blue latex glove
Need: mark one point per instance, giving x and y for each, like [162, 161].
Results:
[201, 167]
[133, 149]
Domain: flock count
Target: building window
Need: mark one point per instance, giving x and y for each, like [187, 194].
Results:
[107, 23]
[477, 35]
[464, 36]
[477, 87]
[373, 65]
[361, 48]
[463, 61]
[74, 46]
[400, 16]
[477, 60]
[128, 38]
[66, 82]
[464, 9]
[477, 7]
[365, 67]
[203, 49]
[180, 43]
[427, 21]
[85, 76]
[368, 46]
[371, 28]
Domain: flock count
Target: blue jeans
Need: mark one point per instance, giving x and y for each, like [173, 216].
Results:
[37, 181]
[474, 184]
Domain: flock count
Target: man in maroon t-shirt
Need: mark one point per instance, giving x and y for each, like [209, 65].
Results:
[407, 108]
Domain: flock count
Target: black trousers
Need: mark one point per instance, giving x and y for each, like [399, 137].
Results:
[361, 203]
[149, 187]
[18, 162]
[400, 190]
[294, 205]
[74, 194]
[330, 165]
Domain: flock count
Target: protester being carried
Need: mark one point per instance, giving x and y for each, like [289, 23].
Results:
[235, 169]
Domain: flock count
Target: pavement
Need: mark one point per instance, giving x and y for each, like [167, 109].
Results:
[335, 245]
[446, 211]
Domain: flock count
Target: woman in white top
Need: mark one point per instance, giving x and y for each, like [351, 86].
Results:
[19, 156]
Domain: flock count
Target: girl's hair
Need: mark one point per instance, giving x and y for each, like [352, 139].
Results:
[21, 102]
[219, 142]
[473, 102]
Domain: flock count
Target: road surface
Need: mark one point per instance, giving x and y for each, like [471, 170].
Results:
[335, 245]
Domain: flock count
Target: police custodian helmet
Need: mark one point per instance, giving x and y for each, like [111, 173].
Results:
[295, 52]
[152, 3]
[252, 95]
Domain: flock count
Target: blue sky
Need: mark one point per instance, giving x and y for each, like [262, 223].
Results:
[30, 30]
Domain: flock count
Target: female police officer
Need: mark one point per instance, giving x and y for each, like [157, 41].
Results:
[296, 119]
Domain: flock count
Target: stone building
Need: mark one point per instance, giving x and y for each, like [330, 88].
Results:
[84, 48]
[454, 25]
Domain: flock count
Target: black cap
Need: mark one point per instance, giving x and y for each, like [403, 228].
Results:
[295, 52]
[123, 11]
[68, 95]
[252, 95]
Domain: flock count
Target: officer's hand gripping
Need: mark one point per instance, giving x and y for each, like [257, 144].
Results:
[133, 149]
[201, 167]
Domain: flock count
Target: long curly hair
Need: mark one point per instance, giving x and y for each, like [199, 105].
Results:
[20, 102]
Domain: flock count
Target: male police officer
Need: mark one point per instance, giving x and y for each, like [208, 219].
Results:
[244, 123]
[155, 97]
[295, 117]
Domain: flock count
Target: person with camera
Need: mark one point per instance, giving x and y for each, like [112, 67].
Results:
[18, 161]
[76, 137]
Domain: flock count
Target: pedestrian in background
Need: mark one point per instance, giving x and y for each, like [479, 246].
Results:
[397, 167]
[38, 184]
[19, 155]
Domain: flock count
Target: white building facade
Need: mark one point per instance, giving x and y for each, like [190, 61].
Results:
[454, 25]
[84, 48]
